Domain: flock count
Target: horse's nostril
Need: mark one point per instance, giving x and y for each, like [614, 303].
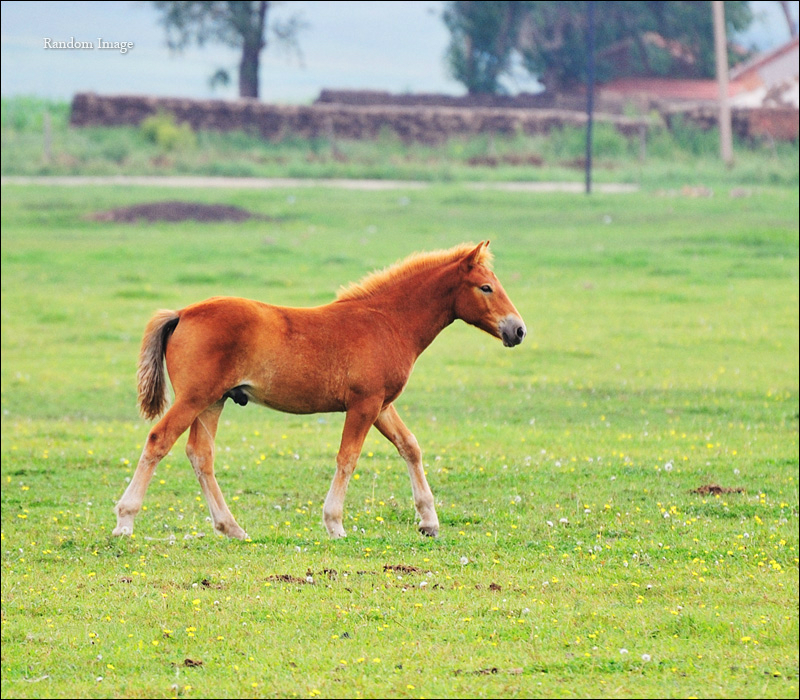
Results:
[521, 332]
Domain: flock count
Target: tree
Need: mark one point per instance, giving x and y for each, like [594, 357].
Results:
[484, 36]
[633, 37]
[241, 25]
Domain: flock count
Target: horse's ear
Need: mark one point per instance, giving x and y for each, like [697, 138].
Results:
[474, 256]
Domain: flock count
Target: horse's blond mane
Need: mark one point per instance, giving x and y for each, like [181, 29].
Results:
[417, 262]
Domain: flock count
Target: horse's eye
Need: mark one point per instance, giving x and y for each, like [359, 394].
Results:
[486, 289]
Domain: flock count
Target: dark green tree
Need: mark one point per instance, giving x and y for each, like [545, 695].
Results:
[484, 36]
[633, 37]
[241, 25]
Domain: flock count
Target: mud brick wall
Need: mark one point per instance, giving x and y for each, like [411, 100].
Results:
[427, 124]
[778, 123]
[363, 98]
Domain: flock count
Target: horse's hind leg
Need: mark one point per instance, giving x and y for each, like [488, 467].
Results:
[159, 442]
[390, 425]
[200, 450]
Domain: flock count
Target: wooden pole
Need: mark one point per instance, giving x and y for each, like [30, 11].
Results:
[589, 95]
[721, 52]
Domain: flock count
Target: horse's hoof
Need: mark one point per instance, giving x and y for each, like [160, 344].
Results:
[429, 530]
[231, 530]
[121, 530]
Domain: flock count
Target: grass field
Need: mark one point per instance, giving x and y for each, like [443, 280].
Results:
[667, 159]
[575, 559]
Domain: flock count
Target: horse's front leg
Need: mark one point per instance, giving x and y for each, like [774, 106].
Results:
[357, 423]
[395, 431]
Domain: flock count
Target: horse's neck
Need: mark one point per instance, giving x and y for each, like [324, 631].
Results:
[423, 305]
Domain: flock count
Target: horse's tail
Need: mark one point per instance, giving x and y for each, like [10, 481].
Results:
[151, 374]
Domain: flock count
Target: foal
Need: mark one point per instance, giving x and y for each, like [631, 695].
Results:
[353, 355]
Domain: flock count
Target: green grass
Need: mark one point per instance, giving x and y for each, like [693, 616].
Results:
[684, 157]
[574, 559]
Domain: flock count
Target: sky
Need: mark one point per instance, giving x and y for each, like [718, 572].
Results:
[372, 45]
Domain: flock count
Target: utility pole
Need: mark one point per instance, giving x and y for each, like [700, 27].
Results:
[721, 52]
[589, 94]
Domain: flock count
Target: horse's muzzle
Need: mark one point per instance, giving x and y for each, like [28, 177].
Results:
[513, 331]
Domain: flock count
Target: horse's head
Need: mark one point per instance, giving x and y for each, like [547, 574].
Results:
[481, 300]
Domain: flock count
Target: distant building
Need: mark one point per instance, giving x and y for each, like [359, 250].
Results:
[769, 79]
[766, 80]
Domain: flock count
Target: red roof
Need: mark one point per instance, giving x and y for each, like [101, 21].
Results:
[669, 88]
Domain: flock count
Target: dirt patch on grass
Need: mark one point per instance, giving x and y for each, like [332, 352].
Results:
[173, 212]
[492, 587]
[402, 568]
[492, 671]
[715, 490]
[205, 583]
[288, 578]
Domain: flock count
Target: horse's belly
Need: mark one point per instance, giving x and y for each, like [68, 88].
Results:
[294, 394]
[296, 404]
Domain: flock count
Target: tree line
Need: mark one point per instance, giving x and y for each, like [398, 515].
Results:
[490, 41]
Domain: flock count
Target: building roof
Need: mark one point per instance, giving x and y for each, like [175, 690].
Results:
[669, 88]
[757, 63]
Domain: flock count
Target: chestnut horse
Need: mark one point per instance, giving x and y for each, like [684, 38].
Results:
[353, 355]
